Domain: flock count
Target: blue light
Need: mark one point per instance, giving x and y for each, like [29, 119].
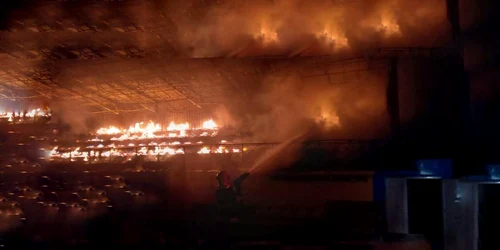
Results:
[493, 171]
[458, 194]
[435, 167]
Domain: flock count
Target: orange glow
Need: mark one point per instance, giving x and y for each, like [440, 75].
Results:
[328, 118]
[29, 114]
[109, 131]
[267, 36]
[204, 150]
[332, 35]
[137, 128]
[209, 124]
[141, 130]
[265, 32]
[385, 22]
[178, 127]
[389, 25]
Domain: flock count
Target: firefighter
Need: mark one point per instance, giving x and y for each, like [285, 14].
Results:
[225, 195]
[228, 194]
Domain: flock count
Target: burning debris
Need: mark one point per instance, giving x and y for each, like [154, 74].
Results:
[141, 139]
[153, 130]
[26, 116]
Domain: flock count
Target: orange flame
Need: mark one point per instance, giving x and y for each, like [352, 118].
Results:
[152, 130]
[30, 114]
[140, 131]
[209, 124]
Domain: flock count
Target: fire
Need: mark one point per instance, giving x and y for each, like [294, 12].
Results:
[338, 39]
[384, 22]
[329, 121]
[204, 150]
[267, 37]
[112, 148]
[109, 131]
[389, 26]
[209, 124]
[328, 118]
[266, 32]
[178, 127]
[150, 128]
[109, 153]
[218, 150]
[138, 128]
[113, 151]
[53, 151]
[141, 130]
[117, 151]
[11, 116]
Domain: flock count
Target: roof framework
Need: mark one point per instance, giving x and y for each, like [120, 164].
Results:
[125, 85]
[106, 54]
[112, 57]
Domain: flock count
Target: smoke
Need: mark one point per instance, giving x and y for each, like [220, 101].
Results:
[73, 114]
[262, 27]
[223, 117]
[284, 108]
[287, 105]
[244, 28]
[297, 27]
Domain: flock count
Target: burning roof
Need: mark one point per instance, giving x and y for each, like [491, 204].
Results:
[130, 56]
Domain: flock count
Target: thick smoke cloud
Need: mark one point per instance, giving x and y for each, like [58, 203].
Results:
[296, 27]
[283, 27]
[288, 105]
[285, 108]
[243, 28]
